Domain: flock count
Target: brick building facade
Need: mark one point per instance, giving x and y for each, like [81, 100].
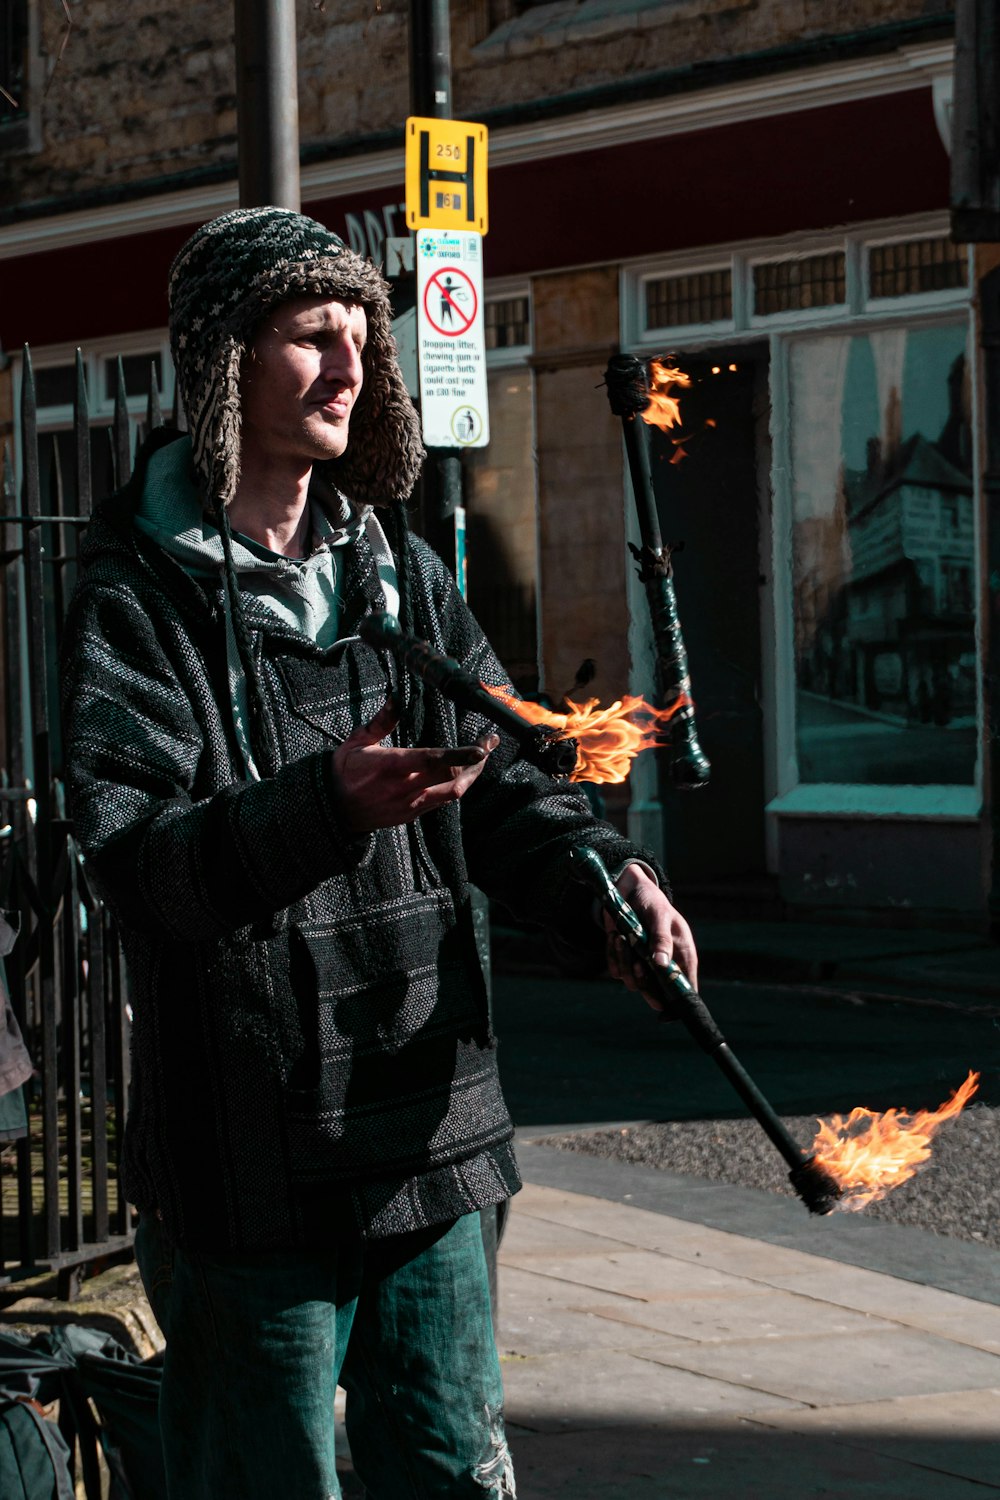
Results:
[750, 183]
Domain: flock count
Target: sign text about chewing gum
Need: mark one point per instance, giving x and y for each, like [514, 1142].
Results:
[450, 340]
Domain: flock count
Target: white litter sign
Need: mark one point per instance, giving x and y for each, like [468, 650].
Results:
[454, 409]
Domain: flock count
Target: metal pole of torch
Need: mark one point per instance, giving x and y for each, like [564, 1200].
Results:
[628, 395]
[267, 103]
[553, 753]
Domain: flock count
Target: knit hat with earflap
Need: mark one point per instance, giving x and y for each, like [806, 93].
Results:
[230, 272]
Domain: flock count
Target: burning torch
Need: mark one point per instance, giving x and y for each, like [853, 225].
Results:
[553, 752]
[629, 396]
[851, 1162]
[817, 1189]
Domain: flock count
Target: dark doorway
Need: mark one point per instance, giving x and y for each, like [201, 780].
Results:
[708, 493]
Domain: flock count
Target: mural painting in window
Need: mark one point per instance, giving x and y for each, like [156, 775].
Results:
[883, 557]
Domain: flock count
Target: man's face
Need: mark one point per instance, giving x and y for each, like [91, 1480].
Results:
[301, 381]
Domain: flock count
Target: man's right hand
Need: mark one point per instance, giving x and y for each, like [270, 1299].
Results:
[381, 786]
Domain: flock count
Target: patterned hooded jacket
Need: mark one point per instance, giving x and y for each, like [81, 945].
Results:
[312, 1047]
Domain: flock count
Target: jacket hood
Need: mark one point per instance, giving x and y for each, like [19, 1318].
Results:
[170, 513]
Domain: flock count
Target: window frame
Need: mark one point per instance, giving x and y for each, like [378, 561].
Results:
[741, 260]
[504, 289]
[100, 392]
[785, 795]
[789, 795]
[23, 132]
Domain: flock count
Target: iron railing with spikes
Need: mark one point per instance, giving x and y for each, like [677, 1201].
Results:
[61, 1208]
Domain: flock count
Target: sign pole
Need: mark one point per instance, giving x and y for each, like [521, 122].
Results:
[430, 58]
[430, 91]
[443, 511]
[267, 103]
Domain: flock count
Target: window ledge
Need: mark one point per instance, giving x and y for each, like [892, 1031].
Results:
[824, 799]
[571, 21]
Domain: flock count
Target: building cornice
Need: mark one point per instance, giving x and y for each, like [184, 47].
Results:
[906, 67]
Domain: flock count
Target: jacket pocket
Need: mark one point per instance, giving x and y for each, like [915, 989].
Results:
[326, 693]
[394, 1040]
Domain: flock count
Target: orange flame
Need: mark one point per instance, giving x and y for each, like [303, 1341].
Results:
[609, 738]
[870, 1153]
[664, 409]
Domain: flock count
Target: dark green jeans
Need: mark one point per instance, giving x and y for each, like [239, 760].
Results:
[256, 1345]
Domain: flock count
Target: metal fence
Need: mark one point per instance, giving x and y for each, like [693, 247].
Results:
[60, 1202]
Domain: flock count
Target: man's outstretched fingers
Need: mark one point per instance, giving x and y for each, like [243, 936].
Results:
[376, 730]
[381, 786]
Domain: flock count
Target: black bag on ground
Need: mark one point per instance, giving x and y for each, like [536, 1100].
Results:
[70, 1364]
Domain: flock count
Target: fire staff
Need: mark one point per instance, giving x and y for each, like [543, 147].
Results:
[285, 826]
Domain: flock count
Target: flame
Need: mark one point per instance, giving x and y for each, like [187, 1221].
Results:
[664, 410]
[609, 738]
[870, 1153]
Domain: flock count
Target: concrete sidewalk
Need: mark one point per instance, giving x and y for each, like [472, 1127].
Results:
[651, 1356]
[920, 961]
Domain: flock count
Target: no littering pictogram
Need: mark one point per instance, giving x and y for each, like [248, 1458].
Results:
[450, 302]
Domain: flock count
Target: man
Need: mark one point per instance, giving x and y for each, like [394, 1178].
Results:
[286, 832]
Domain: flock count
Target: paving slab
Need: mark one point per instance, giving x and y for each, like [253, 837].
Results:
[640, 1274]
[848, 1287]
[836, 1368]
[955, 1433]
[531, 1234]
[916, 1255]
[688, 1461]
[539, 1319]
[726, 1319]
[668, 1239]
[638, 1362]
[927, 1308]
[596, 1215]
[606, 1388]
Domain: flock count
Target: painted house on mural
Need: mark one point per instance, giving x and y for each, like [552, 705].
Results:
[759, 186]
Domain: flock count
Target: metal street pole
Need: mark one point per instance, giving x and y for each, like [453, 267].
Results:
[267, 103]
[430, 96]
[430, 58]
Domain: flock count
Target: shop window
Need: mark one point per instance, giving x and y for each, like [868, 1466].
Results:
[55, 385]
[20, 76]
[910, 267]
[507, 323]
[698, 297]
[139, 371]
[883, 558]
[13, 60]
[799, 284]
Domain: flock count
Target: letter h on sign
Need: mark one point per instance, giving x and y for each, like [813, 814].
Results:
[446, 175]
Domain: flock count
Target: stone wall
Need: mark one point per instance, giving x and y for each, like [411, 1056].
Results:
[582, 565]
[573, 45]
[146, 89]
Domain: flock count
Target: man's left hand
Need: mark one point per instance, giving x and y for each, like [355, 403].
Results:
[669, 934]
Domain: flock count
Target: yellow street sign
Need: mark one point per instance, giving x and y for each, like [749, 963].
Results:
[446, 174]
